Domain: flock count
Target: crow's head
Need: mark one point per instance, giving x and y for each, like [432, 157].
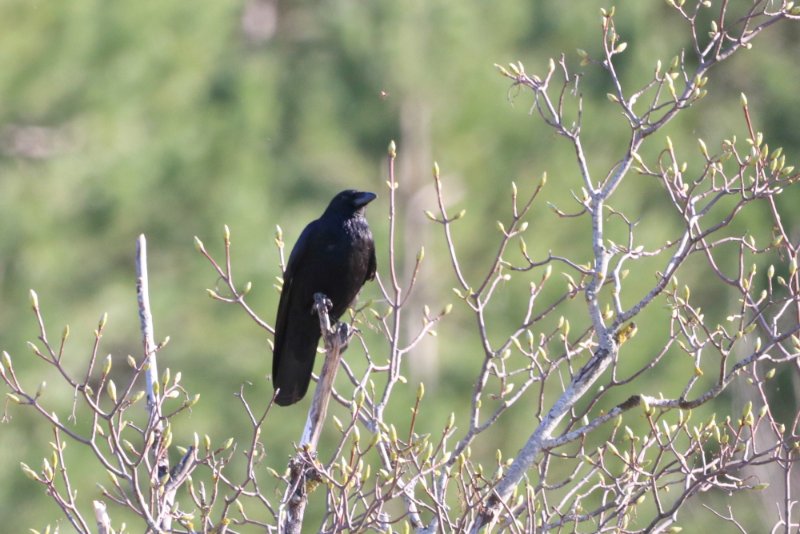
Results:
[350, 202]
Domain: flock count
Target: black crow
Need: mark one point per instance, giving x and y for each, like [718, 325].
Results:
[334, 255]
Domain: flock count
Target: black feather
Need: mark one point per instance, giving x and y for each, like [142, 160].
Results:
[334, 255]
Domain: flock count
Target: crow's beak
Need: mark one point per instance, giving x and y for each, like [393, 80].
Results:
[363, 198]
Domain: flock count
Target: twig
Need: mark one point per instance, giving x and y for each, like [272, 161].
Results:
[146, 322]
[101, 516]
[155, 424]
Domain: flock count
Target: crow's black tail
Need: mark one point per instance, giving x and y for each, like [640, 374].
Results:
[294, 363]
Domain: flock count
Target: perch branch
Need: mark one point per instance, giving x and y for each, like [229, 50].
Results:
[303, 465]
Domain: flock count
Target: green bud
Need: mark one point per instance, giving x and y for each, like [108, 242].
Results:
[502, 70]
[111, 389]
[703, 148]
[107, 365]
[30, 473]
[648, 410]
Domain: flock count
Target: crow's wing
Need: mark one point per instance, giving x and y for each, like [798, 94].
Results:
[301, 248]
[372, 267]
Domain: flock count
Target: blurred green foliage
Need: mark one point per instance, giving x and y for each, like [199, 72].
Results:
[174, 118]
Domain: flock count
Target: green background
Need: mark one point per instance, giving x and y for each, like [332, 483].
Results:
[174, 118]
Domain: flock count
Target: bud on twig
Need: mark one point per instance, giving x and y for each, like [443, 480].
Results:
[111, 389]
[30, 473]
[107, 366]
